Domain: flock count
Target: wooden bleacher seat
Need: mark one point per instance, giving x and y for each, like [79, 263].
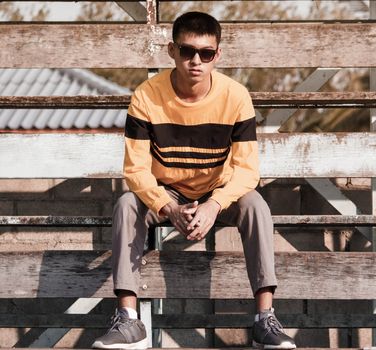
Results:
[166, 274]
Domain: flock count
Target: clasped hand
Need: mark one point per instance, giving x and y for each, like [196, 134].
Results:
[193, 220]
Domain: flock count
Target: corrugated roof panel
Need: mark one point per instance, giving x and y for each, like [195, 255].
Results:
[9, 89]
[57, 87]
[17, 117]
[50, 84]
[33, 75]
[24, 86]
[96, 118]
[82, 121]
[56, 119]
[31, 116]
[58, 116]
[45, 75]
[5, 116]
[96, 82]
[19, 77]
[66, 83]
[109, 119]
[54, 122]
[120, 120]
[36, 88]
[6, 77]
[74, 87]
[43, 118]
[68, 120]
[58, 82]
[61, 87]
[84, 115]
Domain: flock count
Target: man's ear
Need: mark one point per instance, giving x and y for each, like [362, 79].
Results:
[170, 50]
[218, 55]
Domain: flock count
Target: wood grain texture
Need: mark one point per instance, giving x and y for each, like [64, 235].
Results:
[169, 321]
[260, 100]
[224, 348]
[302, 275]
[106, 221]
[101, 155]
[113, 45]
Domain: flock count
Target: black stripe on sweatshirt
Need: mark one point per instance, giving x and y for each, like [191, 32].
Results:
[244, 131]
[189, 154]
[210, 136]
[137, 128]
[186, 165]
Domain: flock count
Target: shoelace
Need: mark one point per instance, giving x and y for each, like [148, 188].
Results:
[117, 320]
[273, 325]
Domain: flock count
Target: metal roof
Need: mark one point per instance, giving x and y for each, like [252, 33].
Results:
[62, 82]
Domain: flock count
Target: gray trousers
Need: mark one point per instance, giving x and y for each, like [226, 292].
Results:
[250, 214]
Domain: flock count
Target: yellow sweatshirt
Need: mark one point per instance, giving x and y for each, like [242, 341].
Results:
[196, 148]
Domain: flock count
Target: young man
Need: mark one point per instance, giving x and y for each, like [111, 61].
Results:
[191, 158]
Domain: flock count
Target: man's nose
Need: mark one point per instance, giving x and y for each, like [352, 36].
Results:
[196, 59]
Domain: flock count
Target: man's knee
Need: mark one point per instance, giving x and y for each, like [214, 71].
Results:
[253, 201]
[126, 201]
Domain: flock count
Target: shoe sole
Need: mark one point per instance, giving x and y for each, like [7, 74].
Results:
[141, 345]
[284, 346]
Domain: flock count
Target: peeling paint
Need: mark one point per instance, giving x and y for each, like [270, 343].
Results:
[156, 31]
[285, 220]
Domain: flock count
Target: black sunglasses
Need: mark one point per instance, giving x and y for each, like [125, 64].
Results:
[188, 52]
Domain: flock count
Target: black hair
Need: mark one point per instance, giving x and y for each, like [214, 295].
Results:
[198, 23]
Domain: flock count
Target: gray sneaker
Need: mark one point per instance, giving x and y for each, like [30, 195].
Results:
[267, 333]
[125, 333]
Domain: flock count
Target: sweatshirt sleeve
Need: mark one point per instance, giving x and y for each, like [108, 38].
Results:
[138, 159]
[244, 159]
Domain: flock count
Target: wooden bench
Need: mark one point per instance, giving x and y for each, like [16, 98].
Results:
[87, 274]
[195, 275]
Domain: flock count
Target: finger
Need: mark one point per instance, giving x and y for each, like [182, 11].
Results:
[189, 217]
[196, 221]
[179, 226]
[192, 205]
[194, 234]
[205, 229]
[189, 210]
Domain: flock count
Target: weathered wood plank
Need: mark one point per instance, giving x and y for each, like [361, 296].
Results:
[301, 275]
[260, 100]
[226, 348]
[112, 45]
[246, 320]
[168, 321]
[101, 155]
[106, 221]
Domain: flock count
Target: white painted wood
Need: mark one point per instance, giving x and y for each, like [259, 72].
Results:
[313, 82]
[134, 9]
[317, 155]
[51, 336]
[326, 188]
[145, 316]
[60, 155]
[113, 45]
[101, 155]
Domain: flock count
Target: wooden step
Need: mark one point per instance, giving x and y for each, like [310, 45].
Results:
[188, 274]
[279, 220]
[169, 321]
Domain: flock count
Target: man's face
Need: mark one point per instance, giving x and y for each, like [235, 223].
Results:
[194, 69]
